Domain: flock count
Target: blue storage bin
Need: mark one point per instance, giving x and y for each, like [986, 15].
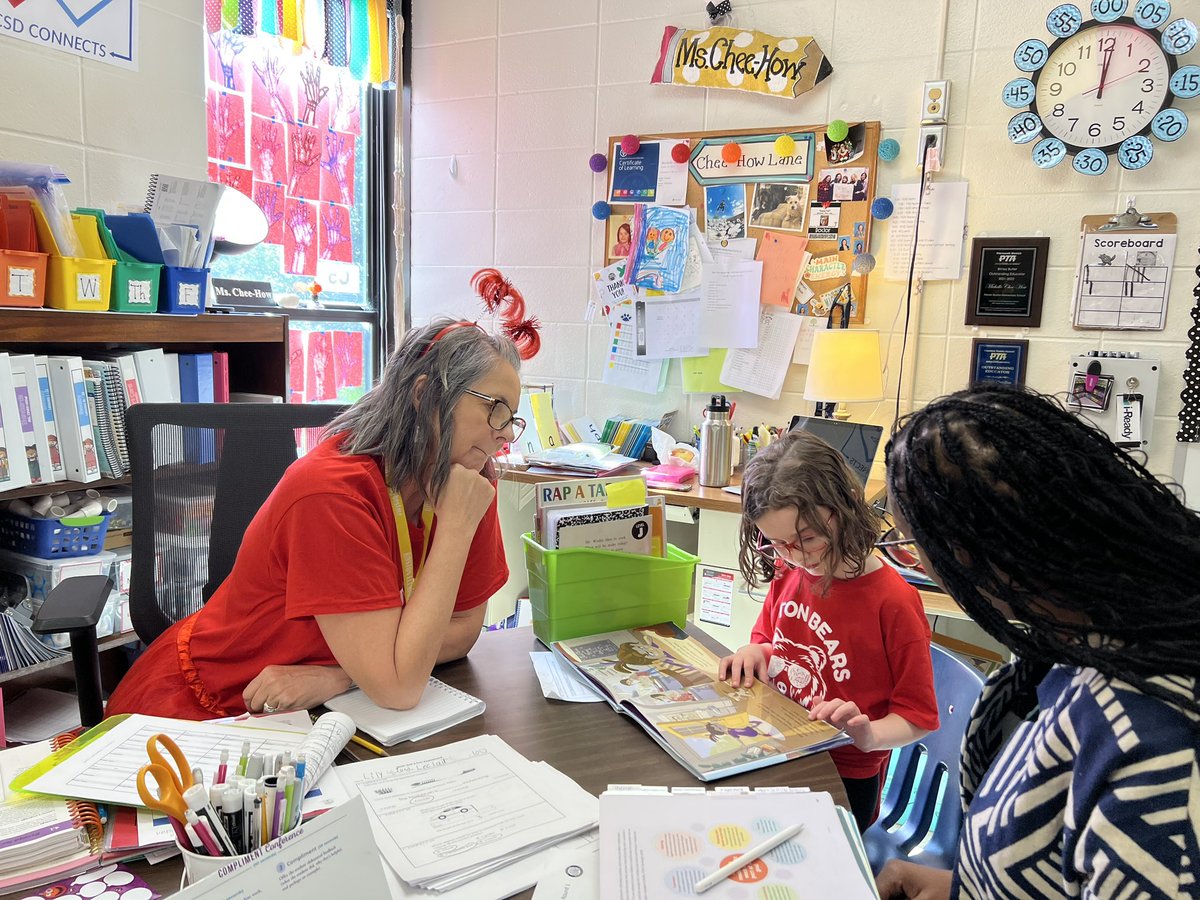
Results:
[182, 290]
[53, 538]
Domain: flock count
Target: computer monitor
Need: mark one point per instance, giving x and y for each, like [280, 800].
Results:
[856, 442]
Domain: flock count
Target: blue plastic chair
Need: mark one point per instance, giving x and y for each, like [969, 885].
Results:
[920, 812]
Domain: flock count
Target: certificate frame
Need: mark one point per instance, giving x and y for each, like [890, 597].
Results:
[999, 361]
[1007, 281]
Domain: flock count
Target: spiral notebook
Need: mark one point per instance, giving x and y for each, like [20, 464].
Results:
[440, 708]
[42, 839]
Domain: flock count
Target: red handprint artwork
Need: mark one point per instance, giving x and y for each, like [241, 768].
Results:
[226, 66]
[270, 199]
[319, 380]
[344, 103]
[227, 126]
[271, 94]
[236, 177]
[304, 154]
[314, 92]
[337, 168]
[296, 366]
[300, 238]
[348, 358]
[335, 233]
[267, 152]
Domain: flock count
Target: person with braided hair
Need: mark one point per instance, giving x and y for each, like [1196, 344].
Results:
[1066, 549]
[840, 632]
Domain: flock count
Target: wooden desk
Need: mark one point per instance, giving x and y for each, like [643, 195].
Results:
[588, 741]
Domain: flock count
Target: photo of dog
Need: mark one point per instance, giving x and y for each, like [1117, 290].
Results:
[779, 206]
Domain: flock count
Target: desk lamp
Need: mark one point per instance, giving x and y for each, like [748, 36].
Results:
[844, 368]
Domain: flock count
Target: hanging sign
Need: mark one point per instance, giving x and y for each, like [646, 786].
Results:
[741, 60]
[103, 30]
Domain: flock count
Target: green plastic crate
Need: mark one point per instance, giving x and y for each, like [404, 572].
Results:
[577, 592]
[135, 284]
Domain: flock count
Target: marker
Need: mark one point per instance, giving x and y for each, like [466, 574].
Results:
[193, 839]
[222, 767]
[245, 756]
[249, 822]
[289, 792]
[200, 826]
[268, 808]
[197, 800]
[746, 858]
[231, 817]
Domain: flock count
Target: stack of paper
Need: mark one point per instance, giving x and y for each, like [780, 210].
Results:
[441, 707]
[476, 809]
[40, 839]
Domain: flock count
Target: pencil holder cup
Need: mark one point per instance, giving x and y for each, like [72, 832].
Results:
[196, 866]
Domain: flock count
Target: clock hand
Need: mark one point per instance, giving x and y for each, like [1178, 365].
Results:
[1104, 74]
[1114, 81]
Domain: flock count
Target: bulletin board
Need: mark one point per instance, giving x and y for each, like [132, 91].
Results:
[827, 202]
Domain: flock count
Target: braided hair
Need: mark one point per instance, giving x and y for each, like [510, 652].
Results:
[1058, 543]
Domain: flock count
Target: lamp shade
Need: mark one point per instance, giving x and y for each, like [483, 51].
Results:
[845, 366]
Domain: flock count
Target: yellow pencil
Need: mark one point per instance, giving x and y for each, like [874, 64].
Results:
[363, 742]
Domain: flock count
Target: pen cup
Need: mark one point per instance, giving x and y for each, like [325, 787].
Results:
[196, 866]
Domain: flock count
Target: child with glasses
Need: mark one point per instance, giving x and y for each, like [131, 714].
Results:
[840, 631]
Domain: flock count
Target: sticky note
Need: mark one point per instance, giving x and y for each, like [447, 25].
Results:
[626, 493]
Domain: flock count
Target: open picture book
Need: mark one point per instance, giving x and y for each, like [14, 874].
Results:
[666, 680]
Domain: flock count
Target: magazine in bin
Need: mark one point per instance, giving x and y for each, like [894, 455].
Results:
[666, 680]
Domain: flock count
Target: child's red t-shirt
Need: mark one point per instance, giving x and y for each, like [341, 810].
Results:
[866, 641]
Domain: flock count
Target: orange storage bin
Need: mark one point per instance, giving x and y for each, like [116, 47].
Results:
[22, 267]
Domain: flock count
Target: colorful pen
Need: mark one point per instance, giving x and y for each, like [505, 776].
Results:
[222, 767]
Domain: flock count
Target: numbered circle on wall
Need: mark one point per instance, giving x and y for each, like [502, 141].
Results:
[1103, 86]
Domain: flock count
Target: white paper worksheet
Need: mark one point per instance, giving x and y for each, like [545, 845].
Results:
[762, 369]
[943, 221]
[730, 292]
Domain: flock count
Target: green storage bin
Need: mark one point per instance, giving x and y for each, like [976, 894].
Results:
[577, 592]
[135, 284]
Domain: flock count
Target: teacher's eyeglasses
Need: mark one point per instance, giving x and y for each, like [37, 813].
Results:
[500, 416]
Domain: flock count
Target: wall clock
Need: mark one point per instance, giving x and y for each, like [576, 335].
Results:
[1102, 86]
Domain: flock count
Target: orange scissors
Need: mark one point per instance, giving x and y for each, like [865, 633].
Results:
[171, 781]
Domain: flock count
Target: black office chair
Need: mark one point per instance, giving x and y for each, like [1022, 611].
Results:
[200, 473]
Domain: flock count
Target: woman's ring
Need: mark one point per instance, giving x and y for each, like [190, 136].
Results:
[269, 708]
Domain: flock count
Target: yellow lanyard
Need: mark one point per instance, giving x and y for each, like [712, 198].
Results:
[405, 541]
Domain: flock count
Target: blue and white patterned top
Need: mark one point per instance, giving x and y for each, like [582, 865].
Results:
[1098, 796]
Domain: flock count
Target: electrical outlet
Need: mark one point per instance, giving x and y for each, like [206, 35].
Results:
[934, 154]
[935, 101]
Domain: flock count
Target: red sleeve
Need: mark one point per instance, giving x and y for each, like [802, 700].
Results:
[335, 556]
[764, 629]
[907, 633]
[486, 570]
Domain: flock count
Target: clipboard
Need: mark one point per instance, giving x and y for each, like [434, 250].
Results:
[1123, 273]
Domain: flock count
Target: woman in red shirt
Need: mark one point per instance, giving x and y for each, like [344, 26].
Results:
[324, 592]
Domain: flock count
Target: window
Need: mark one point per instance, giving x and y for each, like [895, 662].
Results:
[293, 123]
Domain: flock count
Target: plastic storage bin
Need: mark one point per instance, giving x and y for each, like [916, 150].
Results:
[22, 266]
[44, 575]
[79, 283]
[183, 290]
[53, 538]
[135, 284]
[577, 592]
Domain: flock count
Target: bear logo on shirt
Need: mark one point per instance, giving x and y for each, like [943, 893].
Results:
[795, 670]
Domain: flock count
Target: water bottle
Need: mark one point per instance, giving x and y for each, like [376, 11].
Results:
[716, 443]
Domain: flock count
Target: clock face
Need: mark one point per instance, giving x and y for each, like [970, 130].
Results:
[1102, 85]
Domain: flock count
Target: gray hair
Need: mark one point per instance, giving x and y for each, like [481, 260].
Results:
[412, 435]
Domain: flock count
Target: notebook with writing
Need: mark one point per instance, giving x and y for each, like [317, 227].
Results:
[440, 708]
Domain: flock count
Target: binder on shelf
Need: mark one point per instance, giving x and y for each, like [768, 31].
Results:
[102, 421]
[25, 367]
[76, 437]
[220, 376]
[196, 386]
[25, 412]
[14, 471]
[151, 365]
[50, 415]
